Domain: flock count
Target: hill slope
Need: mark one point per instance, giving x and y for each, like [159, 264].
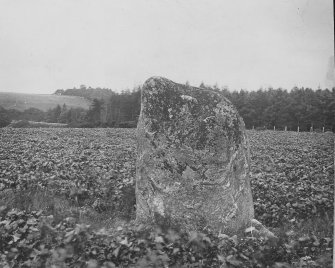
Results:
[22, 101]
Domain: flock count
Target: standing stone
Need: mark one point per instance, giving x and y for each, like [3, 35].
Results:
[193, 160]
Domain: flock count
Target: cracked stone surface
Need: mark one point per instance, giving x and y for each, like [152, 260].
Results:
[192, 167]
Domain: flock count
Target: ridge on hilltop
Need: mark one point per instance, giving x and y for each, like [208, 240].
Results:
[23, 101]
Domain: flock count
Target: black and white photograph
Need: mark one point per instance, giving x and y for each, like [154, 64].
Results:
[167, 133]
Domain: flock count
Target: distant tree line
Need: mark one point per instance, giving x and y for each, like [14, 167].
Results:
[301, 107]
[266, 108]
[281, 109]
[87, 92]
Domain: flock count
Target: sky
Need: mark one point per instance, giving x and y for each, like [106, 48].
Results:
[118, 44]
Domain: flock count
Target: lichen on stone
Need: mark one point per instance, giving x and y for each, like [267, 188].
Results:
[192, 149]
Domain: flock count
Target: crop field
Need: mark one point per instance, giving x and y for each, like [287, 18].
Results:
[67, 199]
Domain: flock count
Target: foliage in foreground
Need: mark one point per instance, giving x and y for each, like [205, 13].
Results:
[292, 187]
[31, 239]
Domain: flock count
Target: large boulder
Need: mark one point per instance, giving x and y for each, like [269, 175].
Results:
[193, 160]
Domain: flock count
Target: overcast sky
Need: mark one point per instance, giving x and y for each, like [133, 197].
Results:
[47, 45]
